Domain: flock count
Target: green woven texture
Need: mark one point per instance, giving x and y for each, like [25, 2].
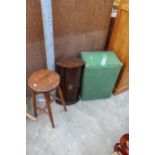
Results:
[100, 74]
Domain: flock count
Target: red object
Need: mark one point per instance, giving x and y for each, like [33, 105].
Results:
[122, 147]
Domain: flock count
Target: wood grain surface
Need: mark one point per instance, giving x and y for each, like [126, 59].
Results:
[43, 80]
[70, 62]
[120, 44]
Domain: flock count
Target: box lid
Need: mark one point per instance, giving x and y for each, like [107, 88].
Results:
[100, 59]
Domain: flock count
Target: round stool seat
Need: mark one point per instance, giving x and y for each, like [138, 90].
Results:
[44, 80]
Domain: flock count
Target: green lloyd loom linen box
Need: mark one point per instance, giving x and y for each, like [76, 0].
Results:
[100, 74]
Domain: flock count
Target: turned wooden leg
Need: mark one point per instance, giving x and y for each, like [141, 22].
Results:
[49, 109]
[62, 98]
[34, 103]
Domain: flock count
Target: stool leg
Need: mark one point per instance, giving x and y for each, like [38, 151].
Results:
[62, 98]
[34, 103]
[49, 109]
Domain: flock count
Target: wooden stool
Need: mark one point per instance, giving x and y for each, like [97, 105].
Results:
[45, 81]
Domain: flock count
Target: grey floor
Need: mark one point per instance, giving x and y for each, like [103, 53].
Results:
[88, 128]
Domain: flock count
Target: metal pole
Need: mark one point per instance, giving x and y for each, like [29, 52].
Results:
[47, 16]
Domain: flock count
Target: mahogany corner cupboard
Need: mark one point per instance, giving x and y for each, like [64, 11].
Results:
[70, 71]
